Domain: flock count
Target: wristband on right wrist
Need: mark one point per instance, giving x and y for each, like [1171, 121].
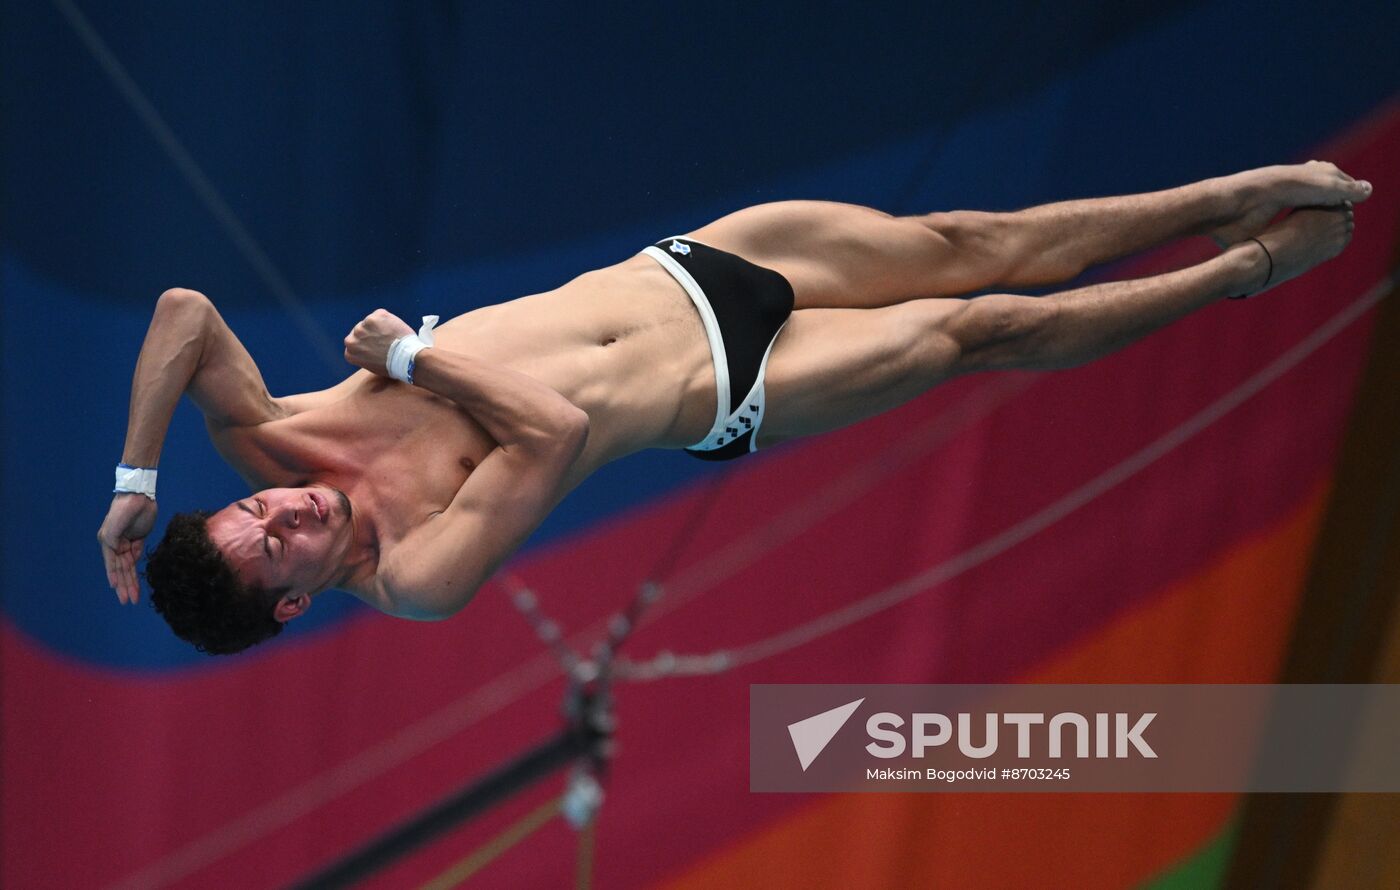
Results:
[399, 362]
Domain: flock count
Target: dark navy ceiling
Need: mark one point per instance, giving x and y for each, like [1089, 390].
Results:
[362, 142]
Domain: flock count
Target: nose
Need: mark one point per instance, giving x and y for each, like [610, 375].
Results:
[289, 516]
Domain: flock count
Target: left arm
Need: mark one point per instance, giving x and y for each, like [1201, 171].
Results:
[514, 408]
[436, 569]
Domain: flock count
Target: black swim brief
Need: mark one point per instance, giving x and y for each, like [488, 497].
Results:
[743, 306]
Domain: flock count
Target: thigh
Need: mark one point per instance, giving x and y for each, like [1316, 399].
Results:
[832, 367]
[847, 256]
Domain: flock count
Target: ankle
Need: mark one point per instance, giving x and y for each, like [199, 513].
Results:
[1253, 268]
[1225, 199]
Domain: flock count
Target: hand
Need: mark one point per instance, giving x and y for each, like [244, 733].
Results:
[368, 344]
[123, 537]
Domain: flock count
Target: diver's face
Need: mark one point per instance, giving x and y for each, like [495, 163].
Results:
[285, 537]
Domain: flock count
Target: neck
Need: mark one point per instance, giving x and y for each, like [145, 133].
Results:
[360, 561]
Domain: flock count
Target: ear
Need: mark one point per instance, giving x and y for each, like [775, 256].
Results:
[290, 606]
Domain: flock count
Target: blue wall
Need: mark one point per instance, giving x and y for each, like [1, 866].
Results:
[441, 157]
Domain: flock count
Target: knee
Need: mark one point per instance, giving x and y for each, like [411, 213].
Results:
[990, 242]
[1001, 332]
[1005, 246]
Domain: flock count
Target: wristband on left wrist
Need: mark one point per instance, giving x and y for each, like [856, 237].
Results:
[135, 480]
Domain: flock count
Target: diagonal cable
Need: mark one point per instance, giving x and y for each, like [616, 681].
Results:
[668, 664]
[204, 190]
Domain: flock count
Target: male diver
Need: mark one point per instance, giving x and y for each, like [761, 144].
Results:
[408, 483]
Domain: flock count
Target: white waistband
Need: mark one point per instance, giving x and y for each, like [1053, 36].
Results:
[712, 333]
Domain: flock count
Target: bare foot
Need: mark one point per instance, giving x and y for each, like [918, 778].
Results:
[1307, 237]
[1264, 192]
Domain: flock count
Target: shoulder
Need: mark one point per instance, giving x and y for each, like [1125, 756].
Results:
[384, 594]
[435, 569]
[399, 589]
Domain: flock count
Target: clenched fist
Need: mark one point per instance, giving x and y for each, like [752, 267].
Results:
[367, 346]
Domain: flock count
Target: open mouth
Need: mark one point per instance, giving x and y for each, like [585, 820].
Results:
[319, 504]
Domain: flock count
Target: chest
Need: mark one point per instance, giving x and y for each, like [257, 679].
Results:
[404, 451]
[406, 442]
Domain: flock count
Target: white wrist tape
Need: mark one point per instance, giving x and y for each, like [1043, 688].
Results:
[399, 362]
[136, 480]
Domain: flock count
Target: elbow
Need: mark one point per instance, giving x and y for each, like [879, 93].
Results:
[451, 603]
[181, 305]
[561, 421]
[557, 435]
[184, 318]
[181, 298]
[572, 431]
[438, 613]
[426, 605]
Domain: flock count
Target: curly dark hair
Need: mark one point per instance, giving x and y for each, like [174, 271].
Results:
[194, 588]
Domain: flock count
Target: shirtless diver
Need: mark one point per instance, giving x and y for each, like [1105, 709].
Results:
[776, 321]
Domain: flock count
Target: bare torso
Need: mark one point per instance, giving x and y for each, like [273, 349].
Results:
[624, 343]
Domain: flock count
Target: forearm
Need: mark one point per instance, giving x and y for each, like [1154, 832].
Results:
[169, 359]
[1077, 326]
[517, 410]
[1059, 241]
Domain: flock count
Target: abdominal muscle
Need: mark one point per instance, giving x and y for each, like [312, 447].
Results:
[625, 344]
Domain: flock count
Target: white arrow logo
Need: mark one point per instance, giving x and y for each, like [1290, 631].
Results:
[810, 736]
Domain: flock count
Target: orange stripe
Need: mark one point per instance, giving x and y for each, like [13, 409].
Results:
[1229, 623]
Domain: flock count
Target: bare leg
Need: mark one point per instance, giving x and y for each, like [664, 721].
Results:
[833, 367]
[1066, 238]
[847, 256]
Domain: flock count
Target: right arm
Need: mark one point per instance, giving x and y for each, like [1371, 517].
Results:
[188, 348]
